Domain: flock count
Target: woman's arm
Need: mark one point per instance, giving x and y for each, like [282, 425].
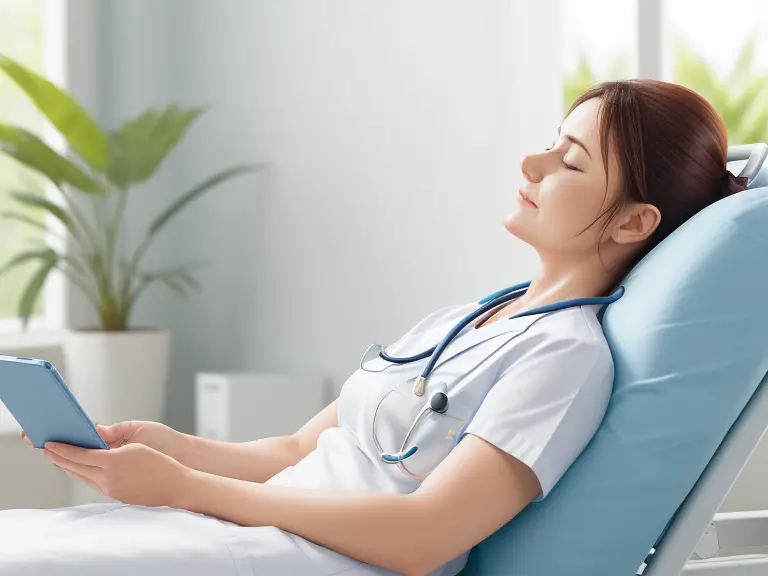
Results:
[259, 460]
[471, 494]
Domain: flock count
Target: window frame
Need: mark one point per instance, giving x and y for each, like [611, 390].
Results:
[650, 39]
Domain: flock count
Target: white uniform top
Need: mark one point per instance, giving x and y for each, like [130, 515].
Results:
[536, 387]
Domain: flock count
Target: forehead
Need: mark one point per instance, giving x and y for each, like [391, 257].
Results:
[583, 123]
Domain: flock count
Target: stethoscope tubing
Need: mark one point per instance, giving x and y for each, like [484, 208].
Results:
[486, 304]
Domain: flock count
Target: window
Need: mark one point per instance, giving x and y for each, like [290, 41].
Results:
[719, 51]
[29, 33]
[722, 53]
[600, 43]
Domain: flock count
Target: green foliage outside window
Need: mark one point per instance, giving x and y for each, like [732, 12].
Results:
[740, 96]
[21, 34]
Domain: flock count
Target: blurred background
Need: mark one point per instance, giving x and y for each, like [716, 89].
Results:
[385, 133]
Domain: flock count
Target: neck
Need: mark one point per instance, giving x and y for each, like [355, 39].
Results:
[563, 279]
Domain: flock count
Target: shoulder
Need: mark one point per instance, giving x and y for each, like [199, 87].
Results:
[570, 340]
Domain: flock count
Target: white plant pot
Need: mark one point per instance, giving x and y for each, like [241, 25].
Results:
[119, 376]
[116, 376]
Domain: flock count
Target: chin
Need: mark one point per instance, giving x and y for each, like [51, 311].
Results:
[515, 226]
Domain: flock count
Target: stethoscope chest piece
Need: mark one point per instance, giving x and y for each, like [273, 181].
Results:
[438, 402]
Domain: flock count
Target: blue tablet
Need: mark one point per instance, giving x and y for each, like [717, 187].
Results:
[35, 393]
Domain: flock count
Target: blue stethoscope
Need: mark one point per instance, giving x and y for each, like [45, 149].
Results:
[438, 401]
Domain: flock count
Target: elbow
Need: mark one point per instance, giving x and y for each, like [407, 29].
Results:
[419, 563]
[414, 556]
[413, 571]
[406, 564]
[419, 567]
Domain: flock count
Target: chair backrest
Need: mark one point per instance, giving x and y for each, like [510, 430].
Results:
[690, 346]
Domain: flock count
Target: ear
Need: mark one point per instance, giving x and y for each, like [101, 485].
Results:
[636, 223]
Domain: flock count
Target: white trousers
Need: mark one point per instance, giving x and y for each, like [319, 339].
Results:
[125, 540]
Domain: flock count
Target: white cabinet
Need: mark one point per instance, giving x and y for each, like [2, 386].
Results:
[242, 407]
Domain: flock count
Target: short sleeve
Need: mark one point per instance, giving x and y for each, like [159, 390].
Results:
[548, 403]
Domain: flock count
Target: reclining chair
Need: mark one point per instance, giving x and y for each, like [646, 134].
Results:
[689, 405]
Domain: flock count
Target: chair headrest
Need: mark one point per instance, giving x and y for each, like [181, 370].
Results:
[749, 160]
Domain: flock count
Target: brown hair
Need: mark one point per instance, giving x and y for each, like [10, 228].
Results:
[671, 147]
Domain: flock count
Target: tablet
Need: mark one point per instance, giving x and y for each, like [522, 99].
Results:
[35, 393]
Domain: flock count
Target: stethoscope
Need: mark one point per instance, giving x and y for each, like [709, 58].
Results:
[438, 400]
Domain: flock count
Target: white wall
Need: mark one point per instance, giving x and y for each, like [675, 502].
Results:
[393, 131]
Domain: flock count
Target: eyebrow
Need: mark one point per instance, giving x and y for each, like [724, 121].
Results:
[575, 141]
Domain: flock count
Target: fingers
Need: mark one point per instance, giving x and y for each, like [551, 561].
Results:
[71, 466]
[81, 478]
[77, 455]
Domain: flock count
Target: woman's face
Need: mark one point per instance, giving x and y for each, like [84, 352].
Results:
[566, 188]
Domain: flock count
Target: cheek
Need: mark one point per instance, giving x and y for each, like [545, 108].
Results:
[569, 214]
[562, 221]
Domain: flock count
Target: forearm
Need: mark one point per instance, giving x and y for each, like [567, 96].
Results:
[388, 530]
[255, 461]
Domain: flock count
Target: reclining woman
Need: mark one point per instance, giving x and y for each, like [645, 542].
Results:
[405, 474]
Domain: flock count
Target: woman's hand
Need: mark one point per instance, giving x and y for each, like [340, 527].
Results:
[153, 434]
[134, 473]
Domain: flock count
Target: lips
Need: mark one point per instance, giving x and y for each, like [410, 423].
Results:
[527, 200]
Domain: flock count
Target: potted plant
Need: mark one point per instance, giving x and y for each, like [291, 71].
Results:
[117, 372]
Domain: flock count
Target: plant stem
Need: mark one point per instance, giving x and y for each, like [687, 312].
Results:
[81, 220]
[113, 230]
[80, 283]
[132, 267]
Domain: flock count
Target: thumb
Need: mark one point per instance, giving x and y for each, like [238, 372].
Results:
[110, 434]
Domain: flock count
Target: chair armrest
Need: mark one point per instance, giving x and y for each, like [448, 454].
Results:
[733, 530]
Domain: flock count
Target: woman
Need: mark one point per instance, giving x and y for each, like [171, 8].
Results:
[632, 161]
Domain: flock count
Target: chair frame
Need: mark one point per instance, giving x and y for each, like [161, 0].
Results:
[697, 534]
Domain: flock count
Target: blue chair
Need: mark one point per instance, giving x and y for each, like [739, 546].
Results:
[690, 346]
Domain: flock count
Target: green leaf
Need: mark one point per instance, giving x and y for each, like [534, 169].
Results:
[757, 131]
[173, 284]
[81, 131]
[37, 155]
[697, 74]
[138, 148]
[35, 285]
[172, 279]
[163, 218]
[188, 279]
[37, 201]
[27, 256]
[11, 215]
[578, 82]
[177, 278]
[741, 70]
[747, 104]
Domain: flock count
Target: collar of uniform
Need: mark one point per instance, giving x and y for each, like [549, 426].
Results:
[471, 336]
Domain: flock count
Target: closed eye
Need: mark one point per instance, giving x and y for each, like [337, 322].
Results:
[569, 167]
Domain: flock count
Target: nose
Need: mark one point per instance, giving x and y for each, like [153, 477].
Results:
[532, 167]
